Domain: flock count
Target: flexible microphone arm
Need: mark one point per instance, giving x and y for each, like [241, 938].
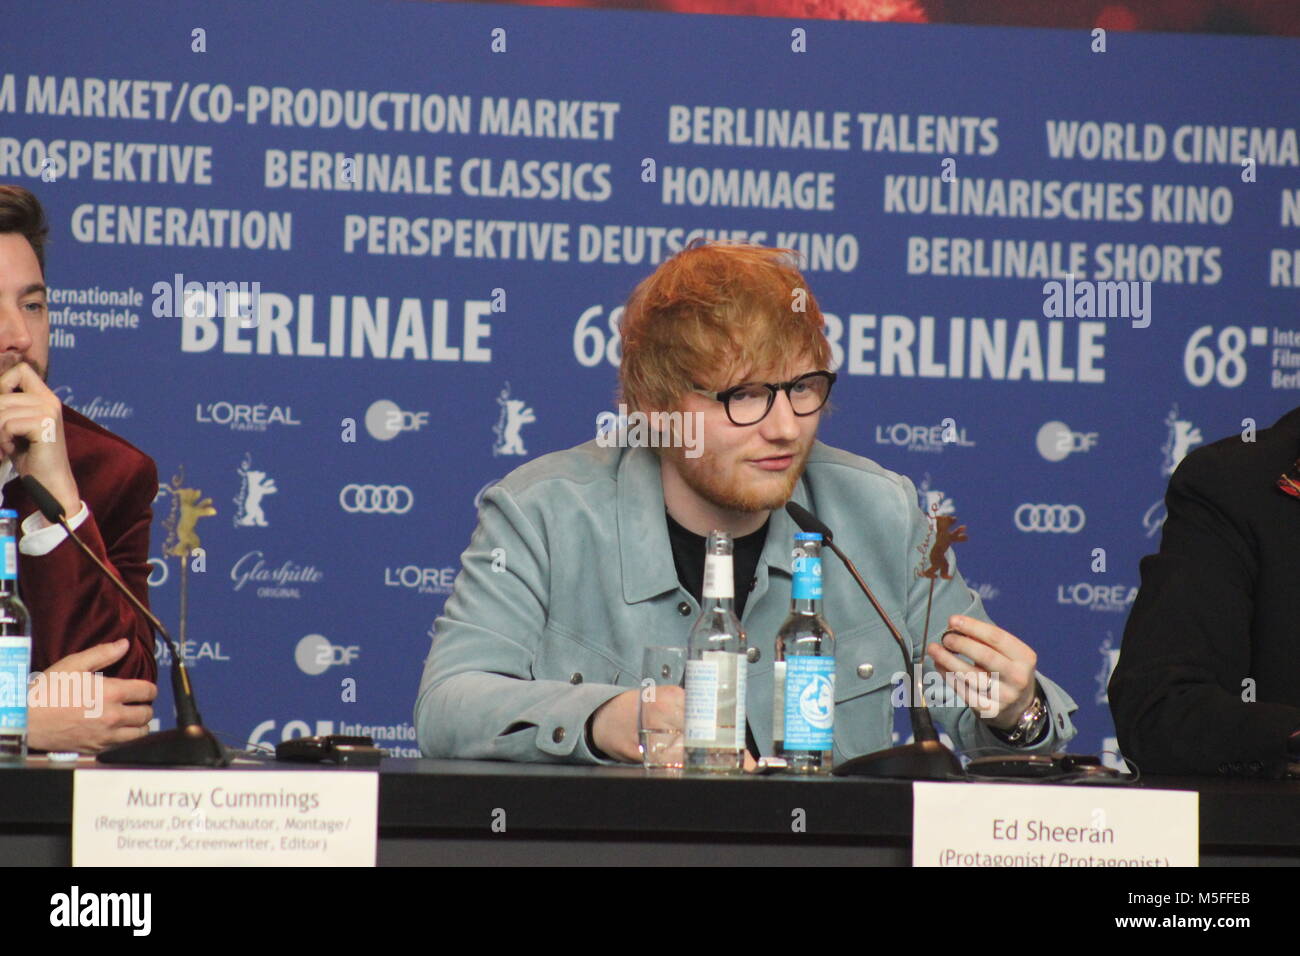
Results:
[190, 744]
[923, 759]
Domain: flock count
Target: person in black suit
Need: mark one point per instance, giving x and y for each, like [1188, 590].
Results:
[1208, 679]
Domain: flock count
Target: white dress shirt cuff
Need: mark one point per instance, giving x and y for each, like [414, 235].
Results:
[40, 537]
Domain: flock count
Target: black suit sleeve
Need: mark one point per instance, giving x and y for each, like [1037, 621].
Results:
[1181, 692]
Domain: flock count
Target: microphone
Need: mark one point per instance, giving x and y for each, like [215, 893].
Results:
[190, 744]
[924, 759]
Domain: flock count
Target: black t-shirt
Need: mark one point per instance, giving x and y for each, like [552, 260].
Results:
[688, 556]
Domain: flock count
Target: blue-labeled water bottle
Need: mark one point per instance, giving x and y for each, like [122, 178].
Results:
[803, 719]
[15, 646]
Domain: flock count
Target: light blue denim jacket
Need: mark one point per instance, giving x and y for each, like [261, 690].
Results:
[570, 574]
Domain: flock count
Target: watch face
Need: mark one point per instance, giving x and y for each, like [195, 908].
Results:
[1037, 713]
[1027, 726]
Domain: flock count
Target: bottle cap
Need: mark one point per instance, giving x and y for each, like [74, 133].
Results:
[8, 513]
[807, 536]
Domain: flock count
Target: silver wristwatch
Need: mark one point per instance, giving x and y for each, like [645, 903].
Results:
[1028, 728]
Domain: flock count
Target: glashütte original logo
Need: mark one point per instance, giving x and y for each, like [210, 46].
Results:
[97, 409]
[239, 417]
[273, 581]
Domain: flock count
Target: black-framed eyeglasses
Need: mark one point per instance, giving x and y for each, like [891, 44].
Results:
[749, 403]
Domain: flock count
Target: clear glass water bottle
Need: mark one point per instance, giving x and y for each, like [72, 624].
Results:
[803, 718]
[15, 646]
[716, 669]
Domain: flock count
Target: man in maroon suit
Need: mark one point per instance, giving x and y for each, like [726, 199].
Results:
[106, 487]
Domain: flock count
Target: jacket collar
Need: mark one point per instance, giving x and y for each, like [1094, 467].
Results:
[645, 554]
[780, 538]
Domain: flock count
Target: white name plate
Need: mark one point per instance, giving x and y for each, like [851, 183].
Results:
[224, 818]
[961, 824]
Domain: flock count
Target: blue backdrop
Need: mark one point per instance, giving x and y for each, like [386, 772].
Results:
[370, 166]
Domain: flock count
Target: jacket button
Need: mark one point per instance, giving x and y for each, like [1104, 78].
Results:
[866, 670]
[575, 678]
[752, 654]
[683, 609]
[558, 734]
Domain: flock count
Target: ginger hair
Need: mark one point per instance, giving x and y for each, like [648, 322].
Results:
[714, 315]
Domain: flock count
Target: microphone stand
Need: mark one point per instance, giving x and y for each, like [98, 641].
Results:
[923, 759]
[190, 744]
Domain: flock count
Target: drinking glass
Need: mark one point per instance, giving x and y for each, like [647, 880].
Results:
[661, 746]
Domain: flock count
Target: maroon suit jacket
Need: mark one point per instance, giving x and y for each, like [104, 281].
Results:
[72, 606]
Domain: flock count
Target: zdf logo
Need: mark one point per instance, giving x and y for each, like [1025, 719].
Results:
[315, 654]
[376, 499]
[1053, 519]
[1056, 441]
[384, 420]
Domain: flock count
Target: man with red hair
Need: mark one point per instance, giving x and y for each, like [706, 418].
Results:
[583, 558]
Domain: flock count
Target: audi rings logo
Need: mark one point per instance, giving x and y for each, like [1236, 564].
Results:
[1056, 519]
[376, 499]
